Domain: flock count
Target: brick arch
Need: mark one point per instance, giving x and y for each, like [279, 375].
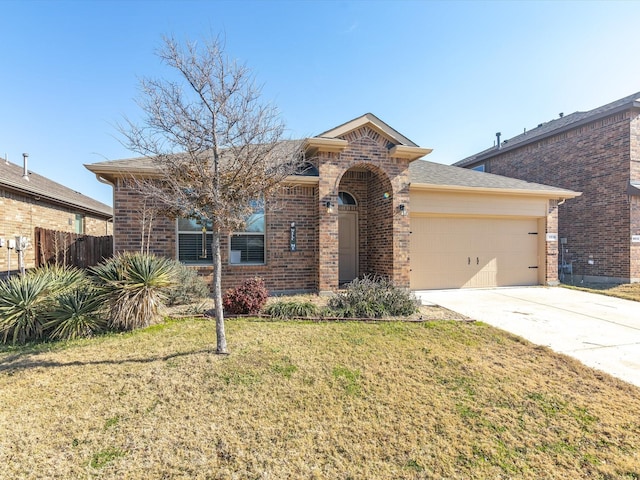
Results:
[372, 188]
[365, 168]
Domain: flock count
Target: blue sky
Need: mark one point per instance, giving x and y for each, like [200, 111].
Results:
[448, 75]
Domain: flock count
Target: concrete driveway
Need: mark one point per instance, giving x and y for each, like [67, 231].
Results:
[602, 332]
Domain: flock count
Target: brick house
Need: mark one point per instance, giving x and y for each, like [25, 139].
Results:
[596, 152]
[366, 205]
[29, 200]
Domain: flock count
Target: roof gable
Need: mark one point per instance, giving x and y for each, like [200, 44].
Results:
[373, 122]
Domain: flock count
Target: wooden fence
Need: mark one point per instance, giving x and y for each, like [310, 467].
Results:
[66, 248]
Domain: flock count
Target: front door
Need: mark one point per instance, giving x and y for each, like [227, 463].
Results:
[348, 246]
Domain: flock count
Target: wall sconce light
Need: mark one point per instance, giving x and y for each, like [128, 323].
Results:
[403, 211]
[329, 206]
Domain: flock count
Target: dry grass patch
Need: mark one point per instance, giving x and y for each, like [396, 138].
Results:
[313, 400]
[628, 291]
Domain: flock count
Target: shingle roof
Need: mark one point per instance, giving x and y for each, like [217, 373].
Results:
[421, 172]
[11, 178]
[428, 173]
[555, 126]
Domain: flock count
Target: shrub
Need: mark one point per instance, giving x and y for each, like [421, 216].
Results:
[372, 297]
[288, 309]
[189, 287]
[134, 285]
[61, 278]
[22, 302]
[75, 314]
[248, 298]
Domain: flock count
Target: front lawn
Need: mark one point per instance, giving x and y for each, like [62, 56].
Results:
[441, 399]
[628, 291]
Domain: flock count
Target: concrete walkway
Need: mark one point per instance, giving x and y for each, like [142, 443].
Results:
[602, 332]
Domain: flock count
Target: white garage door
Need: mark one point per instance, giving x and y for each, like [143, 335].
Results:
[450, 252]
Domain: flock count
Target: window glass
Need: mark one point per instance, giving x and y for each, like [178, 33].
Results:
[247, 249]
[249, 246]
[79, 223]
[190, 242]
[345, 198]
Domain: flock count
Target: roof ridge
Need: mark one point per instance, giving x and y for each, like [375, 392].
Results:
[550, 127]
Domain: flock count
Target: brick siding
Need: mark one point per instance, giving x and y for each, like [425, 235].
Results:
[21, 214]
[364, 169]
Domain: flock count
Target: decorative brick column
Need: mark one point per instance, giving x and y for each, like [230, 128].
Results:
[551, 249]
[330, 172]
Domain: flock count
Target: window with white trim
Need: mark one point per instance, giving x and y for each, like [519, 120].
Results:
[248, 247]
[194, 241]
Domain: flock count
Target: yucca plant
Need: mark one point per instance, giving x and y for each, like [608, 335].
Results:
[22, 303]
[59, 278]
[77, 313]
[134, 286]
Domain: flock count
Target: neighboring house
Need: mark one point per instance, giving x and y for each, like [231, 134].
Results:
[367, 205]
[597, 153]
[28, 201]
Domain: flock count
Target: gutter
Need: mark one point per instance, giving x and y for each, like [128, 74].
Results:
[555, 194]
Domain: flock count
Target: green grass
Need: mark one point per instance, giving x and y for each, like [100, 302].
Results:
[451, 400]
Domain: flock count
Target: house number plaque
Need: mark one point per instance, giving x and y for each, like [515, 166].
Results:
[292, 237]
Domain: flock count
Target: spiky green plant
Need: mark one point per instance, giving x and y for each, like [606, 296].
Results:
[289, 309]
[22, 303]
[77, 313]
[60, 278]
[134, 285]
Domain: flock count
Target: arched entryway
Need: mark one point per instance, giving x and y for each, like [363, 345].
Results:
[365, 223]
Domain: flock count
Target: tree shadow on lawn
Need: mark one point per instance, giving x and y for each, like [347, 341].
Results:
[25, 361]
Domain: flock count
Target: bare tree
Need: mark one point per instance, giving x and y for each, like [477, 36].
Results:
[218, 149]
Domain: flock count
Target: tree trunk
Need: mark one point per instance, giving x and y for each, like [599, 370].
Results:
[221, 338]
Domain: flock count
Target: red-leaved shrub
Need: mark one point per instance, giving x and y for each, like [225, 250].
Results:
[248, 298]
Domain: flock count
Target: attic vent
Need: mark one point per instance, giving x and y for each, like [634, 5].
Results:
[25, 173]
[561, 114]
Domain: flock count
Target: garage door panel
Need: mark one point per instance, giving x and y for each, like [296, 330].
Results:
[463, 252]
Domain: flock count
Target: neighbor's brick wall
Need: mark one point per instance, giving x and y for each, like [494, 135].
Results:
[634, 215]
[21, 214]
[593, 159]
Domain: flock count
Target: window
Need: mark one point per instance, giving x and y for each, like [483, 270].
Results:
[479, 168]
[79, 223]
[248, 247]
[194, 242]
[345, 198]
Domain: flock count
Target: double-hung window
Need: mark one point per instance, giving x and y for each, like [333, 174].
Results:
[248, 247]
[194, 241]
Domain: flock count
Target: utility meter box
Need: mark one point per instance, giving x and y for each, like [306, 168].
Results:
[11, 244]
[21, 243]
